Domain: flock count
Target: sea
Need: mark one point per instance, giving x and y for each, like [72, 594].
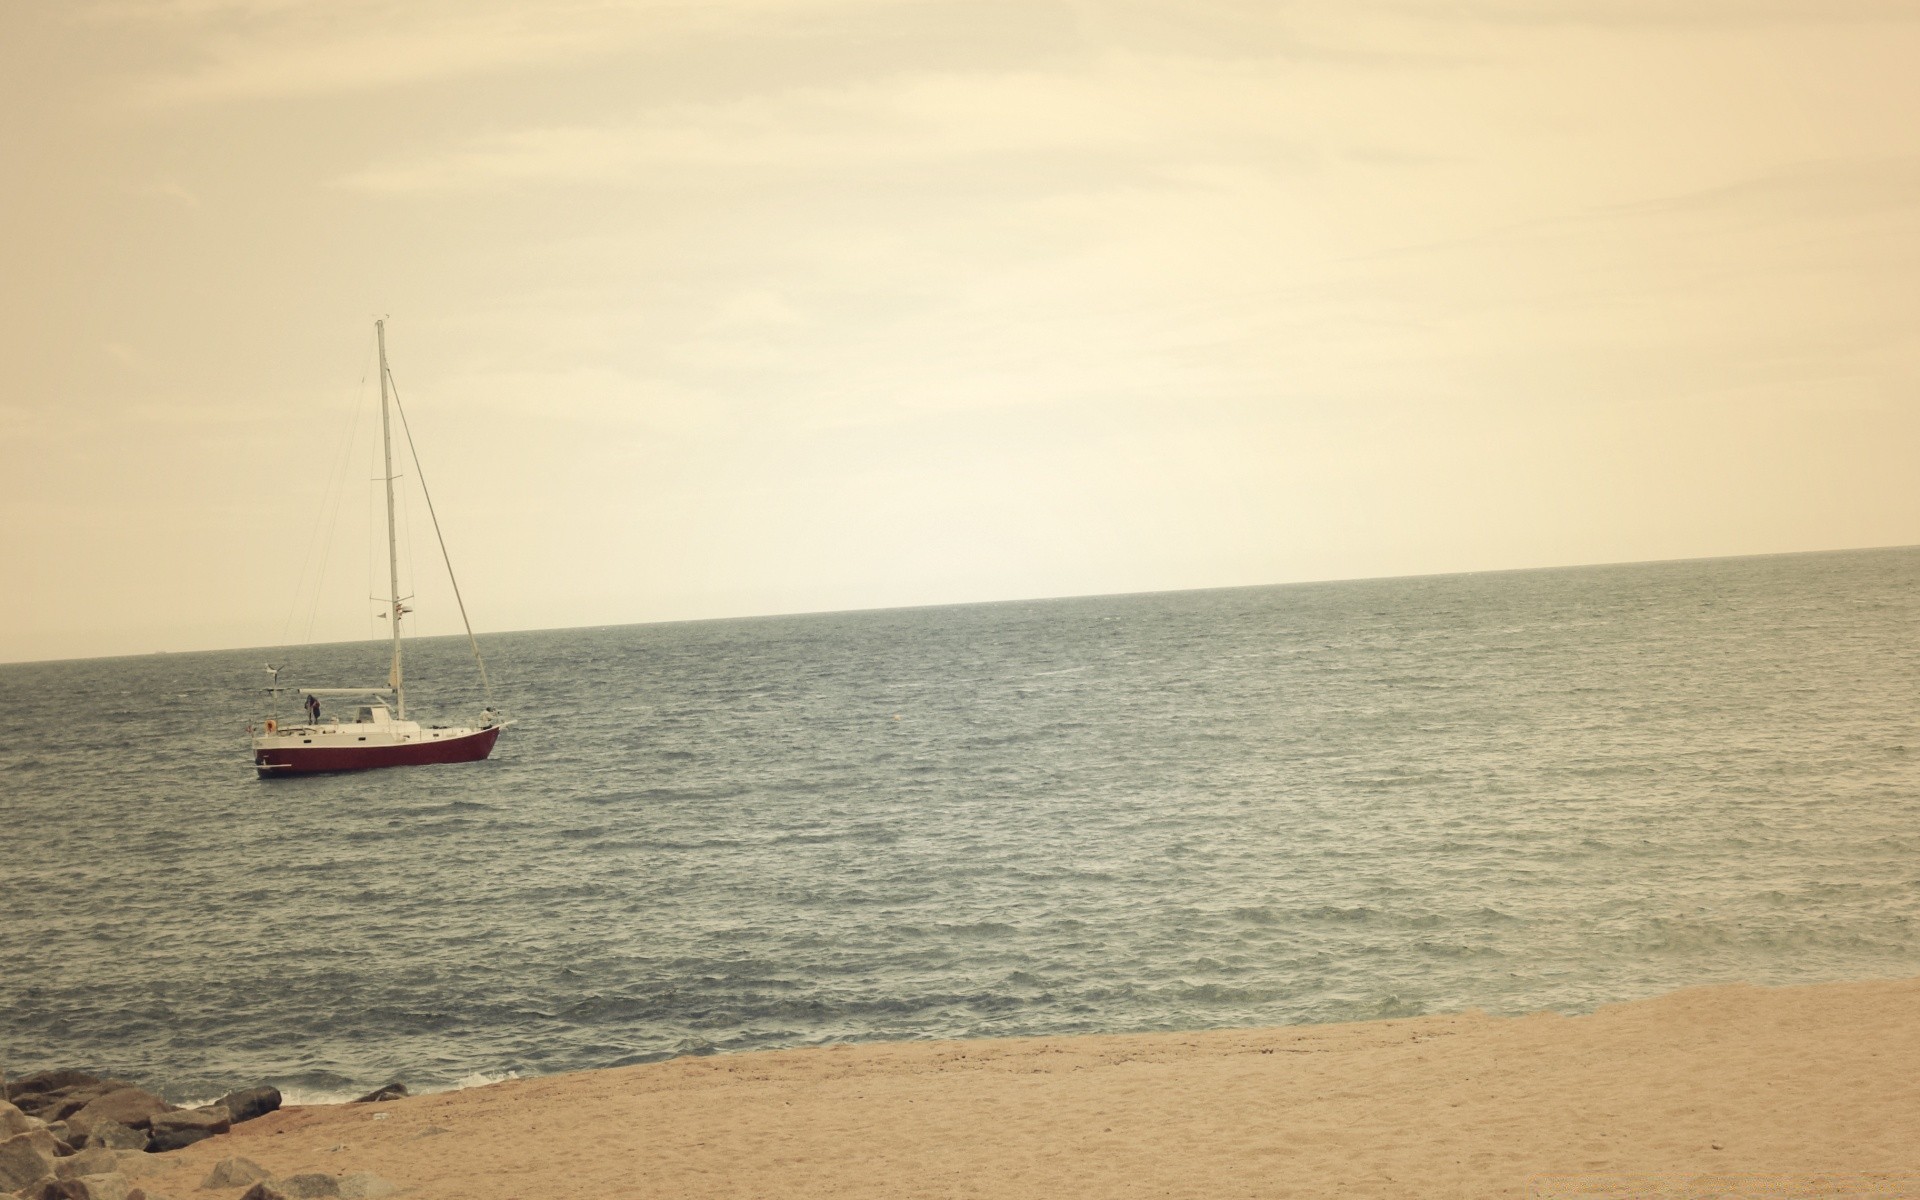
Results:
[1325, 802]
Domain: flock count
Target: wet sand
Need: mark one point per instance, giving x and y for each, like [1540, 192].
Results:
[1721, 1091]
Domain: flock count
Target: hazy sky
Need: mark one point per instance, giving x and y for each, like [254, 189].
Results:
[769, 305]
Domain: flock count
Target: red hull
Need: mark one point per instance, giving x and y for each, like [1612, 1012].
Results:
[308, 760]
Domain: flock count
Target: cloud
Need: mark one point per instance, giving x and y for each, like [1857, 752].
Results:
[257, 49]
[1119, 107]
[125, 355]
[1657, 13]
[1830, 188]
[755, 308]
[559, 155]
[168, 189]
[228, 50]
[263, 50]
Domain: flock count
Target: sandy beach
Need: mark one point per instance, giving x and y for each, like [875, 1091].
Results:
[1718, 1091]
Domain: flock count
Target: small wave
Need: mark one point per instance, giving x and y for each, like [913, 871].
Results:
[1393, 1006]
[718, 843]
[1453, 949]
[673, 794]
[858, 833]
[1328, 912]
[302, 1097]
[1489, 913]
[295, 1097]
[473, 1080]
[979, 930]
[1220, 993]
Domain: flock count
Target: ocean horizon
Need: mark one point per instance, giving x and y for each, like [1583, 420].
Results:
[280, 648]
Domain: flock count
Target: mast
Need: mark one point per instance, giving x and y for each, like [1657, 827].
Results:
[394, 678]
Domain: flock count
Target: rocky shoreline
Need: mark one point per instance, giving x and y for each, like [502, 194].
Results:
[70, 1135]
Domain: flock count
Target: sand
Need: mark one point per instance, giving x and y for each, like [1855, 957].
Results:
[1720, 1091]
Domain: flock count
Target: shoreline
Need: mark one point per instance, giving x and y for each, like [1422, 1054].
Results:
[1724, 1090]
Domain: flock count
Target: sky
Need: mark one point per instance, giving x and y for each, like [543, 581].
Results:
[756, 306]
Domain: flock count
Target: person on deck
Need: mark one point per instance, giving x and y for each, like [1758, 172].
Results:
[313, 710]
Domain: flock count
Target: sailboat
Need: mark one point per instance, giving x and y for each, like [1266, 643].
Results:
[379, 735]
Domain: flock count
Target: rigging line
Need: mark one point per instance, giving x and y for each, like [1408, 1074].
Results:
[338, 490]
[300, 581]
[406, 537]
[486, 688]
[332, 494]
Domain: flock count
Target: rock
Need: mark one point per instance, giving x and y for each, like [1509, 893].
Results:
[172, 1130]
[93, 1187]
[134, 1163]
[26, 1158]
[252, 1102]
[86, 1187]
[115, 1136]
[129, 1106]
[393, 1091]
[364, 1185]
[61, 1104]
[54, 1095]
[313, 1185]
[42, 1082]
[235, 1172]
[60, 1131]
[13, 1121]
[264, 1191]
[97, 1161]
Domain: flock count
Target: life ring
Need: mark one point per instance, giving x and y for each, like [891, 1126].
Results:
[273, 726]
